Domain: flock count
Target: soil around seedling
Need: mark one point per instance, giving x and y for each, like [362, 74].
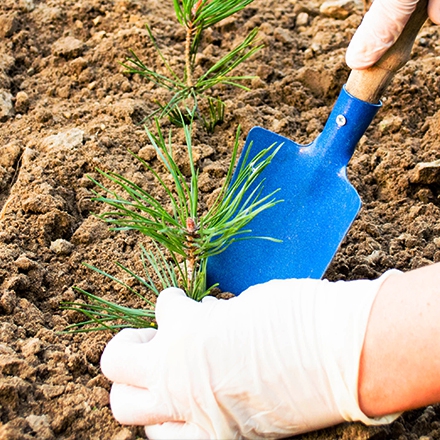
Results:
[66, 107]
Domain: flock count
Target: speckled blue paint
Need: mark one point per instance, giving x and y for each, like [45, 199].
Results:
[319, 203]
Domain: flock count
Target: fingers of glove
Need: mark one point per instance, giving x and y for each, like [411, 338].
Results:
[380, 28]
[138, 406]
[434, 11]
[134, 335]
[128, 357]
[180, 430]
[209, 299]
[173, 304]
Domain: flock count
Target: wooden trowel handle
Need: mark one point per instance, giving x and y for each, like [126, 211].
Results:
[369, 84]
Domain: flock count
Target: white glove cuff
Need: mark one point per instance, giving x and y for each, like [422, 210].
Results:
[351, 303]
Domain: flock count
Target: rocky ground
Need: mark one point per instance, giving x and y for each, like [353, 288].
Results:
[66, 107]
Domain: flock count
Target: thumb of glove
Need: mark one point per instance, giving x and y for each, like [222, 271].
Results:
[173, 303]
[379, 30]
[434, 11]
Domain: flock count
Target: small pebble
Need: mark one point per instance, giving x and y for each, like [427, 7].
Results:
[337, 9]
[61, 247]
[302, 19]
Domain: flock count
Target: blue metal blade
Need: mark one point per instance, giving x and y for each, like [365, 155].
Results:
[318, 208]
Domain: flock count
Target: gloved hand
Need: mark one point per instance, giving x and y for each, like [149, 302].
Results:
[280, 359]
[381, 27]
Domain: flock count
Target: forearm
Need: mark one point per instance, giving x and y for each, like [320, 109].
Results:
[400, 360]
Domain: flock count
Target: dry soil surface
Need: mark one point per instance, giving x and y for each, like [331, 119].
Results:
[66, 107]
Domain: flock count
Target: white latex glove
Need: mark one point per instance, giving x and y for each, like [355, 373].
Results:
[280, 359]
[381, 27]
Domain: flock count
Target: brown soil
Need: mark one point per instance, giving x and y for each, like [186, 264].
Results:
[74, 110]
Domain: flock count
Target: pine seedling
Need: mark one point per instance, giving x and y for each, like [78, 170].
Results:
[189, 236]
[183, 233]
[190, 93]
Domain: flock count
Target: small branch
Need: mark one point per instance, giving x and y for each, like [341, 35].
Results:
[189, 35]
[188, 66]
[191, 229]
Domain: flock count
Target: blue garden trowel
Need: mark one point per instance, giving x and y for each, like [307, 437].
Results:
[319, 203]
